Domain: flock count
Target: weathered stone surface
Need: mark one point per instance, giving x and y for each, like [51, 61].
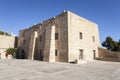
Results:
[33, 39]
[68, 45]
[77, 25]
[107, 55]
[37, 70]
[5, 43]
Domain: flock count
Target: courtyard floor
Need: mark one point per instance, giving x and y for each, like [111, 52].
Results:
[12, 69]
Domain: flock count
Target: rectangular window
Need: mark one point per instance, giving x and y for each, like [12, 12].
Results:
[80, 34]
[93, 38]
[56, 36]
[81, 54]
[40, 38]
[56, 54]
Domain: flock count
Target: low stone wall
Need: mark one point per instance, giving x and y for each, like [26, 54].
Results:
[5, 43]
[107, 55]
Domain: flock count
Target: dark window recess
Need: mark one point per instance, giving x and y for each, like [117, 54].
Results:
[81, 36]
[56, 54]
[56, 36]
[93, 38]
[40, 38]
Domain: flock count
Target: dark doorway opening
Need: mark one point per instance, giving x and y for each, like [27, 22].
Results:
[94, 54]
[22, 55]
[40, 56]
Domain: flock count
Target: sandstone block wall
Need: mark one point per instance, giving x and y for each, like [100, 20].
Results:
[24, 41]
[62, 29]
[46, 31]
[5, 43]
[107, 55]
[88, 29]
[49, 44]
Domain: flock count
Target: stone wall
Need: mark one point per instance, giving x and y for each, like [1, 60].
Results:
[24, 41]
[61, 24]
[107, 55]
[47, 46]
[5, 43]
[88, 29]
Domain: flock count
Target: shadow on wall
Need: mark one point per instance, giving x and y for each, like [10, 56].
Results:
[16, 42]
[38, 55]
[20, 54]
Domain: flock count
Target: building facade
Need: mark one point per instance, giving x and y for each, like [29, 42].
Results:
[66, 37]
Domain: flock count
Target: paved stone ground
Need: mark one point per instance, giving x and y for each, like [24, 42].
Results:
[36, 70]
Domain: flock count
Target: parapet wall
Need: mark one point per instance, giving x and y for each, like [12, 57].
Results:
[107, 55]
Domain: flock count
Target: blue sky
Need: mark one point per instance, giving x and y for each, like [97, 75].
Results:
[19, 14]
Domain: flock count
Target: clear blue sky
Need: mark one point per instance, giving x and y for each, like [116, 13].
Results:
[19, 14]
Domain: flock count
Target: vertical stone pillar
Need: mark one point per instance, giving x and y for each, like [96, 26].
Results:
[32, 45]
[52, 45]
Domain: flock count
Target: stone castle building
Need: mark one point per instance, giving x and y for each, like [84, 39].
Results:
[66, 37]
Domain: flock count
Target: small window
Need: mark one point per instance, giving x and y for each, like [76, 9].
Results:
[40, 38]
[56, 54]
[81, 54]
[80, 35]
[56, 36]
[93, 38]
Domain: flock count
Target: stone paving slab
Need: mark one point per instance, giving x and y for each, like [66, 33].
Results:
[12, 69]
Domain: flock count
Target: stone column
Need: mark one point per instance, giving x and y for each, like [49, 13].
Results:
[52, 45]
[32, 45]
[49, 48]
